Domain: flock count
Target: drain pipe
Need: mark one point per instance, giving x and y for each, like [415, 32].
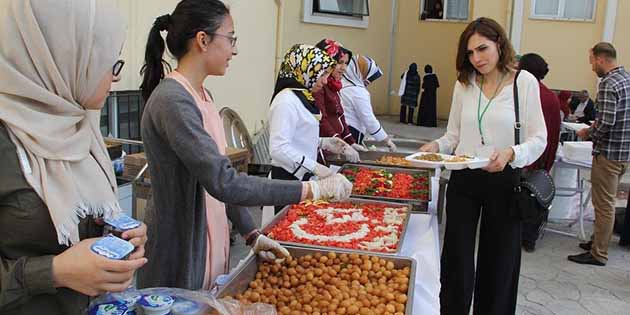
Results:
[279, 32]
[392, 50]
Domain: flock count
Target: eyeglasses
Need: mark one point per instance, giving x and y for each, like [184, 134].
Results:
[231, 38]
[118, 67]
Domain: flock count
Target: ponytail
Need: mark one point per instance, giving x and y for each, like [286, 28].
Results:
[188, 18]
[153, 70]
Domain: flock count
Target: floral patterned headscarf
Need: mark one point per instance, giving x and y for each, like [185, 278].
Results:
[303, 65]
[335, 50]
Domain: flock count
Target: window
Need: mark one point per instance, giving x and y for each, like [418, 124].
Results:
[352, 13]
[453, 10]
[121, 115]
[581, 10]
[342, 7]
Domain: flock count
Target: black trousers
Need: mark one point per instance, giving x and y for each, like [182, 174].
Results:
[281, 173]
[357, 135]
[531, 230]
[478, 196]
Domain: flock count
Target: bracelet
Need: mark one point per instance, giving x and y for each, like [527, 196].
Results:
[251, 237]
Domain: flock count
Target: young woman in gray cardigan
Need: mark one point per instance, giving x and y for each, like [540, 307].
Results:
[185, 161]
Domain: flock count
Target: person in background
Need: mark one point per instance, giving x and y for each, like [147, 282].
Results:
[485, 196]
[58, 59]
[611, 148]
[437, 12]
[328, 100]
[427, 114]
[516, 64]
[195, 189]
[408, 92]
[536, 65]
[294, 118]
[565, 110]
[356, 101]
[582, 108]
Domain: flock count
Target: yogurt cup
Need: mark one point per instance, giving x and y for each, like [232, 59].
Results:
[156, 304]
[113, 308]
[120, 224]
[131, 302]
[112, 247]
[184, 306]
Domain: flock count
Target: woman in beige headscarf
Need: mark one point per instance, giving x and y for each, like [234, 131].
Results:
[56, 59]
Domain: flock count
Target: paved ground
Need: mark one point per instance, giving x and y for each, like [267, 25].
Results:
[549, 283]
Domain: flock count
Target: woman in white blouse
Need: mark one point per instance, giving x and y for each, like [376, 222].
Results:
[294, 118]
[481, 122]
[356, 102]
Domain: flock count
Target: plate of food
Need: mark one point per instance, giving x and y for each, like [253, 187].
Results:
[450, 162]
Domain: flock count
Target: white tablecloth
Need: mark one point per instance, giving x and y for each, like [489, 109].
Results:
[422, 243]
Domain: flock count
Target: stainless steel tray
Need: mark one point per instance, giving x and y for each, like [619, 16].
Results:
[405, 223]
[370, 158]
[241, 279]
[417, 205]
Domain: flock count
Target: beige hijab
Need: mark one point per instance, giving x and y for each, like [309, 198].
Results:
[53, 54]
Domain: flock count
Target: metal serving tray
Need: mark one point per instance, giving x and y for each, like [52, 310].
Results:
[417, 205]
[285, 211]
[370, 158]
[241, 279]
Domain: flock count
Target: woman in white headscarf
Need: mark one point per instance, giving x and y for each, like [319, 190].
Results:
[356, 102]
[58, 59]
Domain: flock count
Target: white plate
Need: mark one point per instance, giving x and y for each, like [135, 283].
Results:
[472, 163]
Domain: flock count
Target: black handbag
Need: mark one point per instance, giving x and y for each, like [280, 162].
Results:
[533, 190]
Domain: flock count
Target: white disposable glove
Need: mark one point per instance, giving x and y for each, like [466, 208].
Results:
[359, 147]
[336, 145]
[391, 145]
[332, 144]
[269, 249]
[337, 188]
[322, 171]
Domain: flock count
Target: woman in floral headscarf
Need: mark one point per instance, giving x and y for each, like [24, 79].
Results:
[294, 118]
[333, 123]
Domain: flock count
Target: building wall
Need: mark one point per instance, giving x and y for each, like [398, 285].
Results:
[372, 41]
[267, 28]
[565, 46]
[435, 43]
[425, 42]
[621, 39]
[248, 84]
[499, 10]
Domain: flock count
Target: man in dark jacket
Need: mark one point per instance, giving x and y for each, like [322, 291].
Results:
[583, 108]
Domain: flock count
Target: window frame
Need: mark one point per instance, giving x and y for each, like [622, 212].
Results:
[444, 13]
[559, 16]
[367, 8]
[333, 19]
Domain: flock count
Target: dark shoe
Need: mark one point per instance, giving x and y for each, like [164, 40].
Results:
[587, 245]
[624, 243]
[529, 247]
[586, 259]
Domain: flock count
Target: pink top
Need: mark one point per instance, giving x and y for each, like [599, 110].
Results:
[218, 236]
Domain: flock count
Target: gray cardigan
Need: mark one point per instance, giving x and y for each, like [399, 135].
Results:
[183, 160]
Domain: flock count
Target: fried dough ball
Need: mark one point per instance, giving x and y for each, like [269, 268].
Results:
[332, 284]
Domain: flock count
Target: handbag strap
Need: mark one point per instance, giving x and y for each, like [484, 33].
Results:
[517, 132]
[517, 123]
